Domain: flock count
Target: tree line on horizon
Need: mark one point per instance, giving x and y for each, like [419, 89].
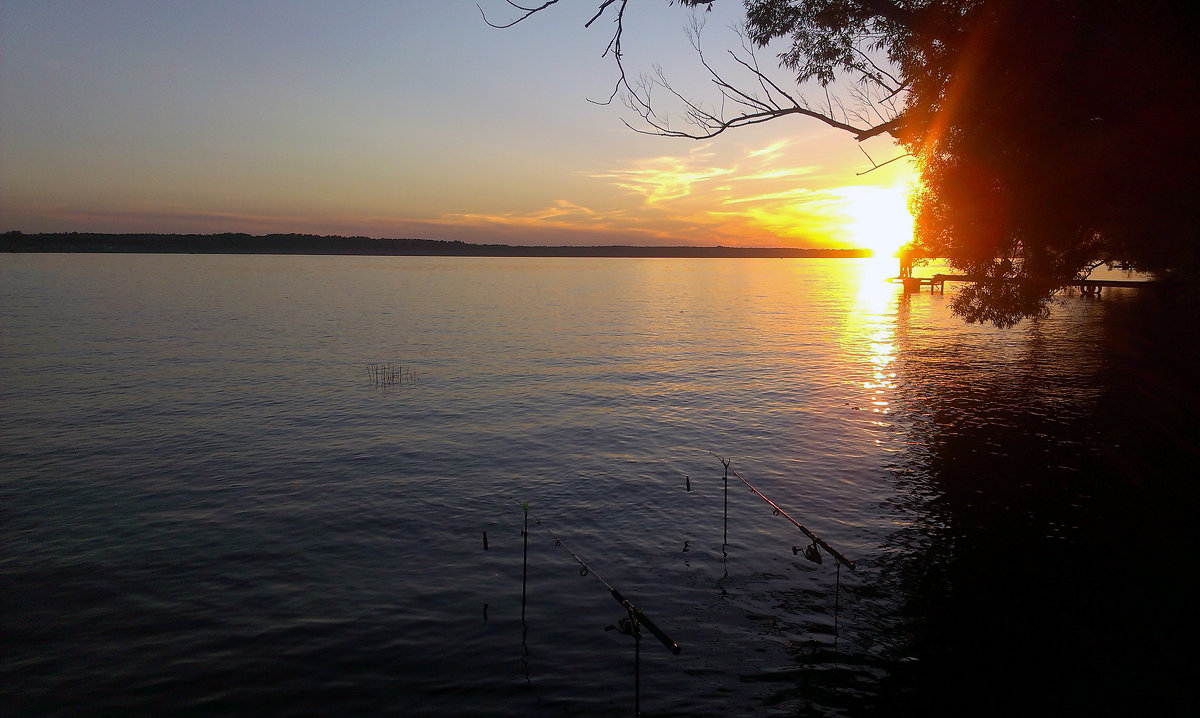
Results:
[239, 243]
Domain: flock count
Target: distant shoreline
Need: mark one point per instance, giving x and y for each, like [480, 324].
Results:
[231, 243]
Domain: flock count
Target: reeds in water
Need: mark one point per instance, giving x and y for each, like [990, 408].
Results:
[389, 374]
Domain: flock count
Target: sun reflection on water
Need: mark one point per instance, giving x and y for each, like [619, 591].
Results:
[876, 310]
[876, 295]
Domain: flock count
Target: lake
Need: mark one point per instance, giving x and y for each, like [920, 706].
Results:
[294, 485]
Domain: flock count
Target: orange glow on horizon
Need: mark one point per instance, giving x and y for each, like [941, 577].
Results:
[710, 195]
[704, 197]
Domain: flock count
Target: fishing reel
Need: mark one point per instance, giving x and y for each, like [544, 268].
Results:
[811, 552]
[626, 626]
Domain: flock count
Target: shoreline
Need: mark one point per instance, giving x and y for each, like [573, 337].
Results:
[233, 243]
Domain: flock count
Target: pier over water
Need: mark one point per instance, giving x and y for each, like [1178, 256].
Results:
[937, 282]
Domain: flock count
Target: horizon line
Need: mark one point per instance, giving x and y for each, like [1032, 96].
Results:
[642, 247]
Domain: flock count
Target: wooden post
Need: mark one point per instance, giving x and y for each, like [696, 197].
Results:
[906, 263]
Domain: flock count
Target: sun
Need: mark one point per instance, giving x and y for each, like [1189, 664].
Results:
[878, 218]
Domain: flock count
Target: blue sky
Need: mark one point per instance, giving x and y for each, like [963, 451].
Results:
[394, 119]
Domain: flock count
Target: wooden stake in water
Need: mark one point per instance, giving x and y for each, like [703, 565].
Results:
[524, 559]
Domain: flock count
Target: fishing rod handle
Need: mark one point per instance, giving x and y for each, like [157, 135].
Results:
[833, 552]
[663, 638]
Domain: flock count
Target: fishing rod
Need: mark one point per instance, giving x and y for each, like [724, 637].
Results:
[810, 553]
[633, 611]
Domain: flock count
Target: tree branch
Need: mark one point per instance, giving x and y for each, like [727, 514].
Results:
[773, 102]
[890, 11]
[527, 10]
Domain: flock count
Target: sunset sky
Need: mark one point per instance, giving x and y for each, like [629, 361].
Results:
[400, 118]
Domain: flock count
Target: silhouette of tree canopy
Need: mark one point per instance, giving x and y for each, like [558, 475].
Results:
[1051, 136]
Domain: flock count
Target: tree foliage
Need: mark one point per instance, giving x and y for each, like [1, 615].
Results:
[1051, 135]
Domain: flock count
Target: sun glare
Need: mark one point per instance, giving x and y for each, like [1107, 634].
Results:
[879, 219]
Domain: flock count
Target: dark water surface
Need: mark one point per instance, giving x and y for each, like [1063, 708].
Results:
[208, 507]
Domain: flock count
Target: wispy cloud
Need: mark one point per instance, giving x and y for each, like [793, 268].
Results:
[663, 179]
[775, 174]
[771, 152]
[752, 197]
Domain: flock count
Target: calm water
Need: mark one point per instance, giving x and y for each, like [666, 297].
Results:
[209, 507]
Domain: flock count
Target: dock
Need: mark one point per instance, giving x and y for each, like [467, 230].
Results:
[937, 282]
[1090, 287]
[914, 284]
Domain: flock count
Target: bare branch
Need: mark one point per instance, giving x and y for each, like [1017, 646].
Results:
[762, 78]
[878, 71]
[773, 102]
[875, 166]
[527, 10]
[603, 7]
[879, 114]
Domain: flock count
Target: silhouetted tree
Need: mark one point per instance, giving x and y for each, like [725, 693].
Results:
[1051, 135]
